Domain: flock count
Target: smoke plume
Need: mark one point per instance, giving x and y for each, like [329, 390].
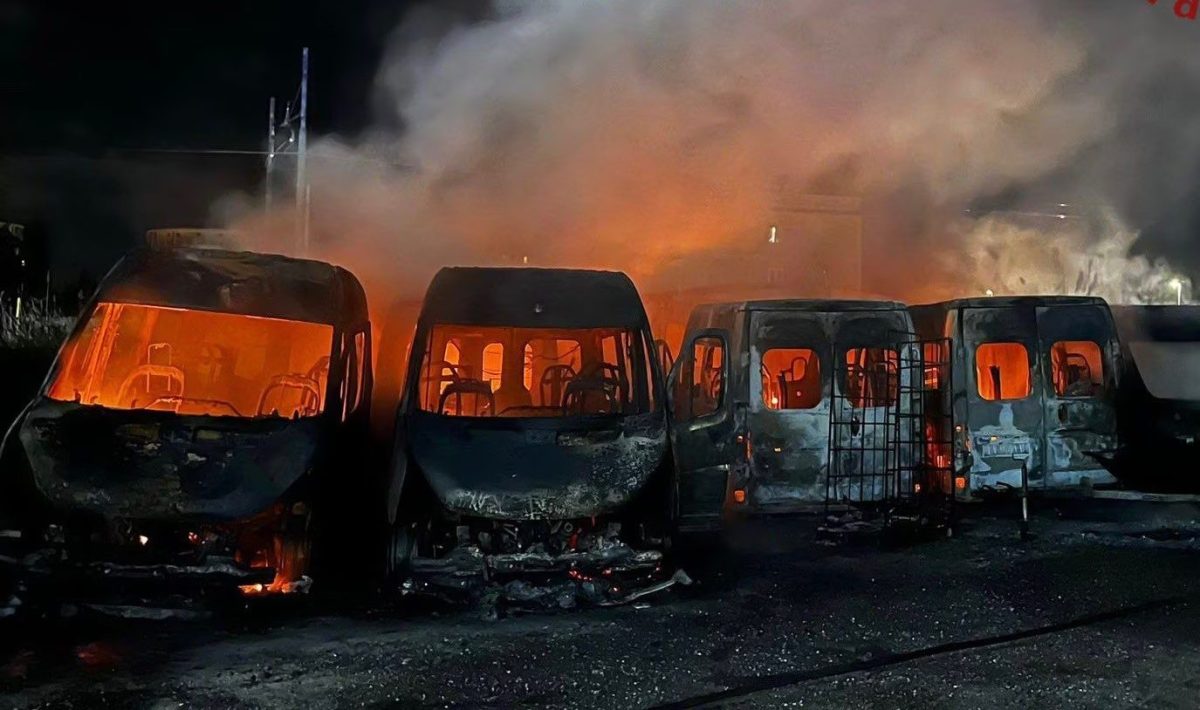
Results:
[638, 134]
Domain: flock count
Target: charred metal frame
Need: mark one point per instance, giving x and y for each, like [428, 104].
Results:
[129, 490]
[540, 486]
[725, 459]
[1041, 440]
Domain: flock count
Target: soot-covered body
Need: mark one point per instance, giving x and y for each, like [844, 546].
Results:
[783, 405]
[532, 431]
[193, 421]
[1034, 389]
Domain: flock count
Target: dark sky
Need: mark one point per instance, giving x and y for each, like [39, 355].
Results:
[169, 75]
[87, 88]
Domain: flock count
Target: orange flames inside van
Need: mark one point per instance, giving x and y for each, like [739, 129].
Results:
[159, 358]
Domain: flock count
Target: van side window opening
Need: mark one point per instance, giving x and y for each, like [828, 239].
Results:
[493, 364]
[791, 378]
[535, 372]
[872, 377]
[708, 376]
[1002, 371]
[1076, 368]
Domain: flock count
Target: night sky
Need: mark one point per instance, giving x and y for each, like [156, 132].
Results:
[90, 92]
[180, 75]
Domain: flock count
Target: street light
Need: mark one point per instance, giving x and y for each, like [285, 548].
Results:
[1178, 284]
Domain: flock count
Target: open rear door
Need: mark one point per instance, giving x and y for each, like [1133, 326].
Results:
[702, 430]
[1079, 359]
[1004, 398]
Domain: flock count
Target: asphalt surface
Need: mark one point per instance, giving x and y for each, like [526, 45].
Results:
[1100, 609]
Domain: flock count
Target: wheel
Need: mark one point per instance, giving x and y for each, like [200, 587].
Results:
[401, 539]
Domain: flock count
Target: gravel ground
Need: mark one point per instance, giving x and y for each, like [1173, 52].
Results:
[1109, 596]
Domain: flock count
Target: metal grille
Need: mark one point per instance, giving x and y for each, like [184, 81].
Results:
[922, 467]
[891, 432]
[861, 429]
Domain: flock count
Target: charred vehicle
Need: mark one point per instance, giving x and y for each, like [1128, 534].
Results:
[793, 405]
[1034, 389]
[1159, 395]
[200, 424]
[532, 434]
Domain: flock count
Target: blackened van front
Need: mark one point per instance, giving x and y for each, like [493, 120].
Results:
[200, 423]
[533, 420]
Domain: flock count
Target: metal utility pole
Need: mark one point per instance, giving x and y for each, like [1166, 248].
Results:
[295, 112]
[302, 193]
[270, 152]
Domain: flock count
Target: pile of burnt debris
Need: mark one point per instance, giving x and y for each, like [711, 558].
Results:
[217, 421]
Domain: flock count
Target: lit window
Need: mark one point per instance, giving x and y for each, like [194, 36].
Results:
[1077, 368]
[1002, 371]
[708, 376]
[871, 377]
[493, 365]
[791, 378]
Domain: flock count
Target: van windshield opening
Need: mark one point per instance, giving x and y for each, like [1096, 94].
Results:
[159, 358]
[490, 371]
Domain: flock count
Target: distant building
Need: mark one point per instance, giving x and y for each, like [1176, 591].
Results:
[808, 246]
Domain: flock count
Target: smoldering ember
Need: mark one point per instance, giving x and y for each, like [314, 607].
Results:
[621, 353]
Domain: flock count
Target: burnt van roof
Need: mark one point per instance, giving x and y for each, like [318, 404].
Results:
[812, 305]
[248, 283]
[533, 298]
[1015, 301]
[1161, 323]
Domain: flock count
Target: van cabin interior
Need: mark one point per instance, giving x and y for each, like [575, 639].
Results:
[159, 358]
[484, 371]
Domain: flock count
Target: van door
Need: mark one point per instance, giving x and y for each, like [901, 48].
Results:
[788, 420]
[701, 429]
[1080, 358]
[1004, 398]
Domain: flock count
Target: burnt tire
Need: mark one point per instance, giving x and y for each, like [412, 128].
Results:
[400, 543]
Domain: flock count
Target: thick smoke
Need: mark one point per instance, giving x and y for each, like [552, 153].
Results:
[634, 134]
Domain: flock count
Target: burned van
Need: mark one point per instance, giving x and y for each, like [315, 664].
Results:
[200, 424]
[786, 405]
[1034, 389]
[532, 431]
[1159, 398]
